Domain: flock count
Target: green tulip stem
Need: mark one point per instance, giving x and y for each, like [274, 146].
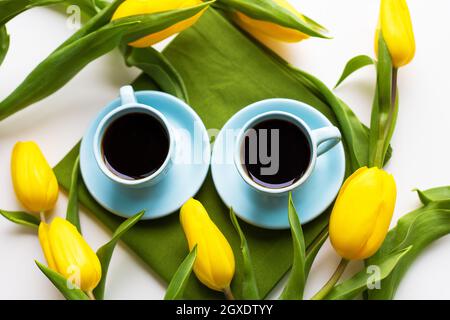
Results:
[228, 294]
[379, 156]
[42, 215]
[394, 85]
[91, 295]
[320, 295]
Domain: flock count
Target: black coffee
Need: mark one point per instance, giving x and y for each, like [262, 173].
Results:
[277, 153]
[135, 146]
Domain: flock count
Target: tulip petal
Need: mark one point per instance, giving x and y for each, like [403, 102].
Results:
[362, 213]
[383, 220]
[33, 179]
[396, 26]
[215, 264]
[45, 245]
[74, 259]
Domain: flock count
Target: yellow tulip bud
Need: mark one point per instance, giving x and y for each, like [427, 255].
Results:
[68, 254]
[137, 7]
[362, 213]
[259, 28]
[396, 28]
[214, 265]
[34, 182]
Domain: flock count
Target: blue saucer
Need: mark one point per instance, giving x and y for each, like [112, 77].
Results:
[270, 211]
[182, 181]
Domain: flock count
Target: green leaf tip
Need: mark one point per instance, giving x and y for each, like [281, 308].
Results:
[354, 65]
[106, 251]
[68, 290]
[21, 218]
[250, 289]
[158, 68]
[177, 285]
[351, 288]
[271, 11]
[297, 278]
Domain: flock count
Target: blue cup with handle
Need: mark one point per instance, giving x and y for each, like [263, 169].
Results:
[319, 142]
[129, 105]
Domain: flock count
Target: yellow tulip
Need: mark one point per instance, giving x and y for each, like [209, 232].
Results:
[34, 182]
[362, 213]
[396, 28]
[137, 7]
[264, 28]
[68, 254]
[214, 265]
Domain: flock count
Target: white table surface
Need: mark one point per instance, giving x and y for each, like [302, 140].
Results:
[421, 154]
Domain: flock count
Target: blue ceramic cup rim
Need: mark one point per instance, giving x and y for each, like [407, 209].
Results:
[132, 107]
[315, 138]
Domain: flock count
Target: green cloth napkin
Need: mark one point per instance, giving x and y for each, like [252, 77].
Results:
[224, 71]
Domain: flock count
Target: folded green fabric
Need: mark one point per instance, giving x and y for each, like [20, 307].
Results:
[224, 71]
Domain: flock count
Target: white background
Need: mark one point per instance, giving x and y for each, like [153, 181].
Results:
[421, 152]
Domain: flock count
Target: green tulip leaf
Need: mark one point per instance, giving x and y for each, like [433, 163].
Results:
[72, 214]
[354, 286]
[11, 8]
[106, 251]
[180, 279]
[385, 107]
[89, 7]
[419, 229]
[4, 43]
[47, 77]
[158, 68]
[354, 132]
[354, 65]
[22, 218]
[68, 290]
[250, 289]
[100, 4]
[434, 195]
[271, 11]
[297, 278]
[96, 22]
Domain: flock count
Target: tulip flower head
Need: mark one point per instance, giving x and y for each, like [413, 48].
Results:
[138, 7]
[362, 213]
[396, 27]
[68, 254]
[214, 265]
[33, 179]
[264, 28]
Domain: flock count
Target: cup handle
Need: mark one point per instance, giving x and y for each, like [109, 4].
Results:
[127, 95]
[332, 135]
